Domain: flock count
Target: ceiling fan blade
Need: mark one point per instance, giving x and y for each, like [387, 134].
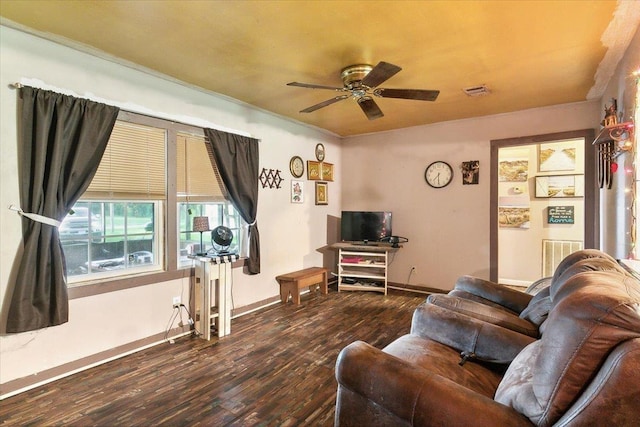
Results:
[417, 94]
[324, 104]
[380, 73]
[313, 86]
[370, 108]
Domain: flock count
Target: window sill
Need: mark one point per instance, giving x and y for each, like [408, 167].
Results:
[133, 281]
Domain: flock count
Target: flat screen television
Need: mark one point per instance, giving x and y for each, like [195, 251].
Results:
[365, 226]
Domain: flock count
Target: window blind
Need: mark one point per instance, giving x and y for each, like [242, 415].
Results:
[197, 180]
[133, 165]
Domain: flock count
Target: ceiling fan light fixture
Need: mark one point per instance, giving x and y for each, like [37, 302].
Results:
[353, 74]
[481, 90]
[361, 81]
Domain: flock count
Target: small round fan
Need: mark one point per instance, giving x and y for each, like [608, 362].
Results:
[221, 238]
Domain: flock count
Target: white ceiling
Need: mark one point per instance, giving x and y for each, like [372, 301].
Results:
[528, 53]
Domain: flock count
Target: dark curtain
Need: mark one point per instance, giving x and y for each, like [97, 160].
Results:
[61, 142]
[236, 158]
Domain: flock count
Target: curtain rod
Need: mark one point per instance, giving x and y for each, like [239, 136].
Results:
[146, 112]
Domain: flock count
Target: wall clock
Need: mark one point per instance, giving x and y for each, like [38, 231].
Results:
[320, 152]
[438, 174]
[296, 166]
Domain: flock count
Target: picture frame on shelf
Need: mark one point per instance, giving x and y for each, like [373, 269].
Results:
[297, 191]
[327, 171]
[322, 193]
[314, 171]
[559, 186]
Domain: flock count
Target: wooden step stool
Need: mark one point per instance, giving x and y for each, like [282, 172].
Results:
[291, 283]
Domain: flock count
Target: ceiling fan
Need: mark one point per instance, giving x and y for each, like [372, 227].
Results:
[361, 83]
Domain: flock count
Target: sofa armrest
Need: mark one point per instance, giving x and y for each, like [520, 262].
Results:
[488, 342]
[412, 394]
[510, 298]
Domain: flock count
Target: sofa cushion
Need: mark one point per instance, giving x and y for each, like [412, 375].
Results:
[506, 297]
[592, 313]
[443, 360]
[581, 266]
[467, 295]
[571, 259]
[483, 312]
[538, 309]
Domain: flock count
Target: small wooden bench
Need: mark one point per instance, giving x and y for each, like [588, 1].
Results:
[291, 283]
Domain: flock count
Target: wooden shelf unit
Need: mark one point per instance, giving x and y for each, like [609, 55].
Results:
[365, 265]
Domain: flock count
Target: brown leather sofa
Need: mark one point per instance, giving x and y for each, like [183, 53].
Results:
[512, 309]
[583, 370]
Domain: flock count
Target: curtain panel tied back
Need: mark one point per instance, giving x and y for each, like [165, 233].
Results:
[61, 142]
[236, 158]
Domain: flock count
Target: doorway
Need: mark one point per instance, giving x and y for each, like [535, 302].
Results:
[543, 203]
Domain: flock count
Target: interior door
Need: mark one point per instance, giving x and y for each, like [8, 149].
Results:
[543, 203]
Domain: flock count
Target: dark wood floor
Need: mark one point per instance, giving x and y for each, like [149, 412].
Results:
[275, 369]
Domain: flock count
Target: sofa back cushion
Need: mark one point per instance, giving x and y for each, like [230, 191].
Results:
[538, 309]
[585, 264]
[578, 256]
[591, 314]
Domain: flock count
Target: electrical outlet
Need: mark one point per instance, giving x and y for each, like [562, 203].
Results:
[176, 301]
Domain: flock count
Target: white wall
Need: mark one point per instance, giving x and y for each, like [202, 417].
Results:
[448, 228]
[290, 233]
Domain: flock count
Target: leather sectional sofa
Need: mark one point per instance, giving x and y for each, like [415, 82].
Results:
[580, 367]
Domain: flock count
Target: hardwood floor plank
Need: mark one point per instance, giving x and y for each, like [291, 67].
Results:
[275, 369]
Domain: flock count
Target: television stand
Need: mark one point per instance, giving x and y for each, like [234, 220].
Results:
[363, 267]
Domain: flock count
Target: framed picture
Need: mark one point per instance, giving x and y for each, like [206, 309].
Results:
[470, 172]
[322, 193]
[557, 156]
[314, 172]
[560, 215]
[514, 212]
[327, 171]
[556, 186]
[297, 191]
[513, 170]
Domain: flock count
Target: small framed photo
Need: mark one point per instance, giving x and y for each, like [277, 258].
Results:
[556, 186]
[314, 172]
[327, 171]
[297, 191]
[470, 172]
[322, 193]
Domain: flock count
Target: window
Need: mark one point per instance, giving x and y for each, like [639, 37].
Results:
[122, 223]
[200, 192]
[103, 238]
[218, 214]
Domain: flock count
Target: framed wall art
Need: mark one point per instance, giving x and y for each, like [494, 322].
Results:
[297, 191]
[322, 193]
[557, 156]
[470, 172]
[556, 186]
[314, 172]
[560, 215]
[513, 170]
[327, 171]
